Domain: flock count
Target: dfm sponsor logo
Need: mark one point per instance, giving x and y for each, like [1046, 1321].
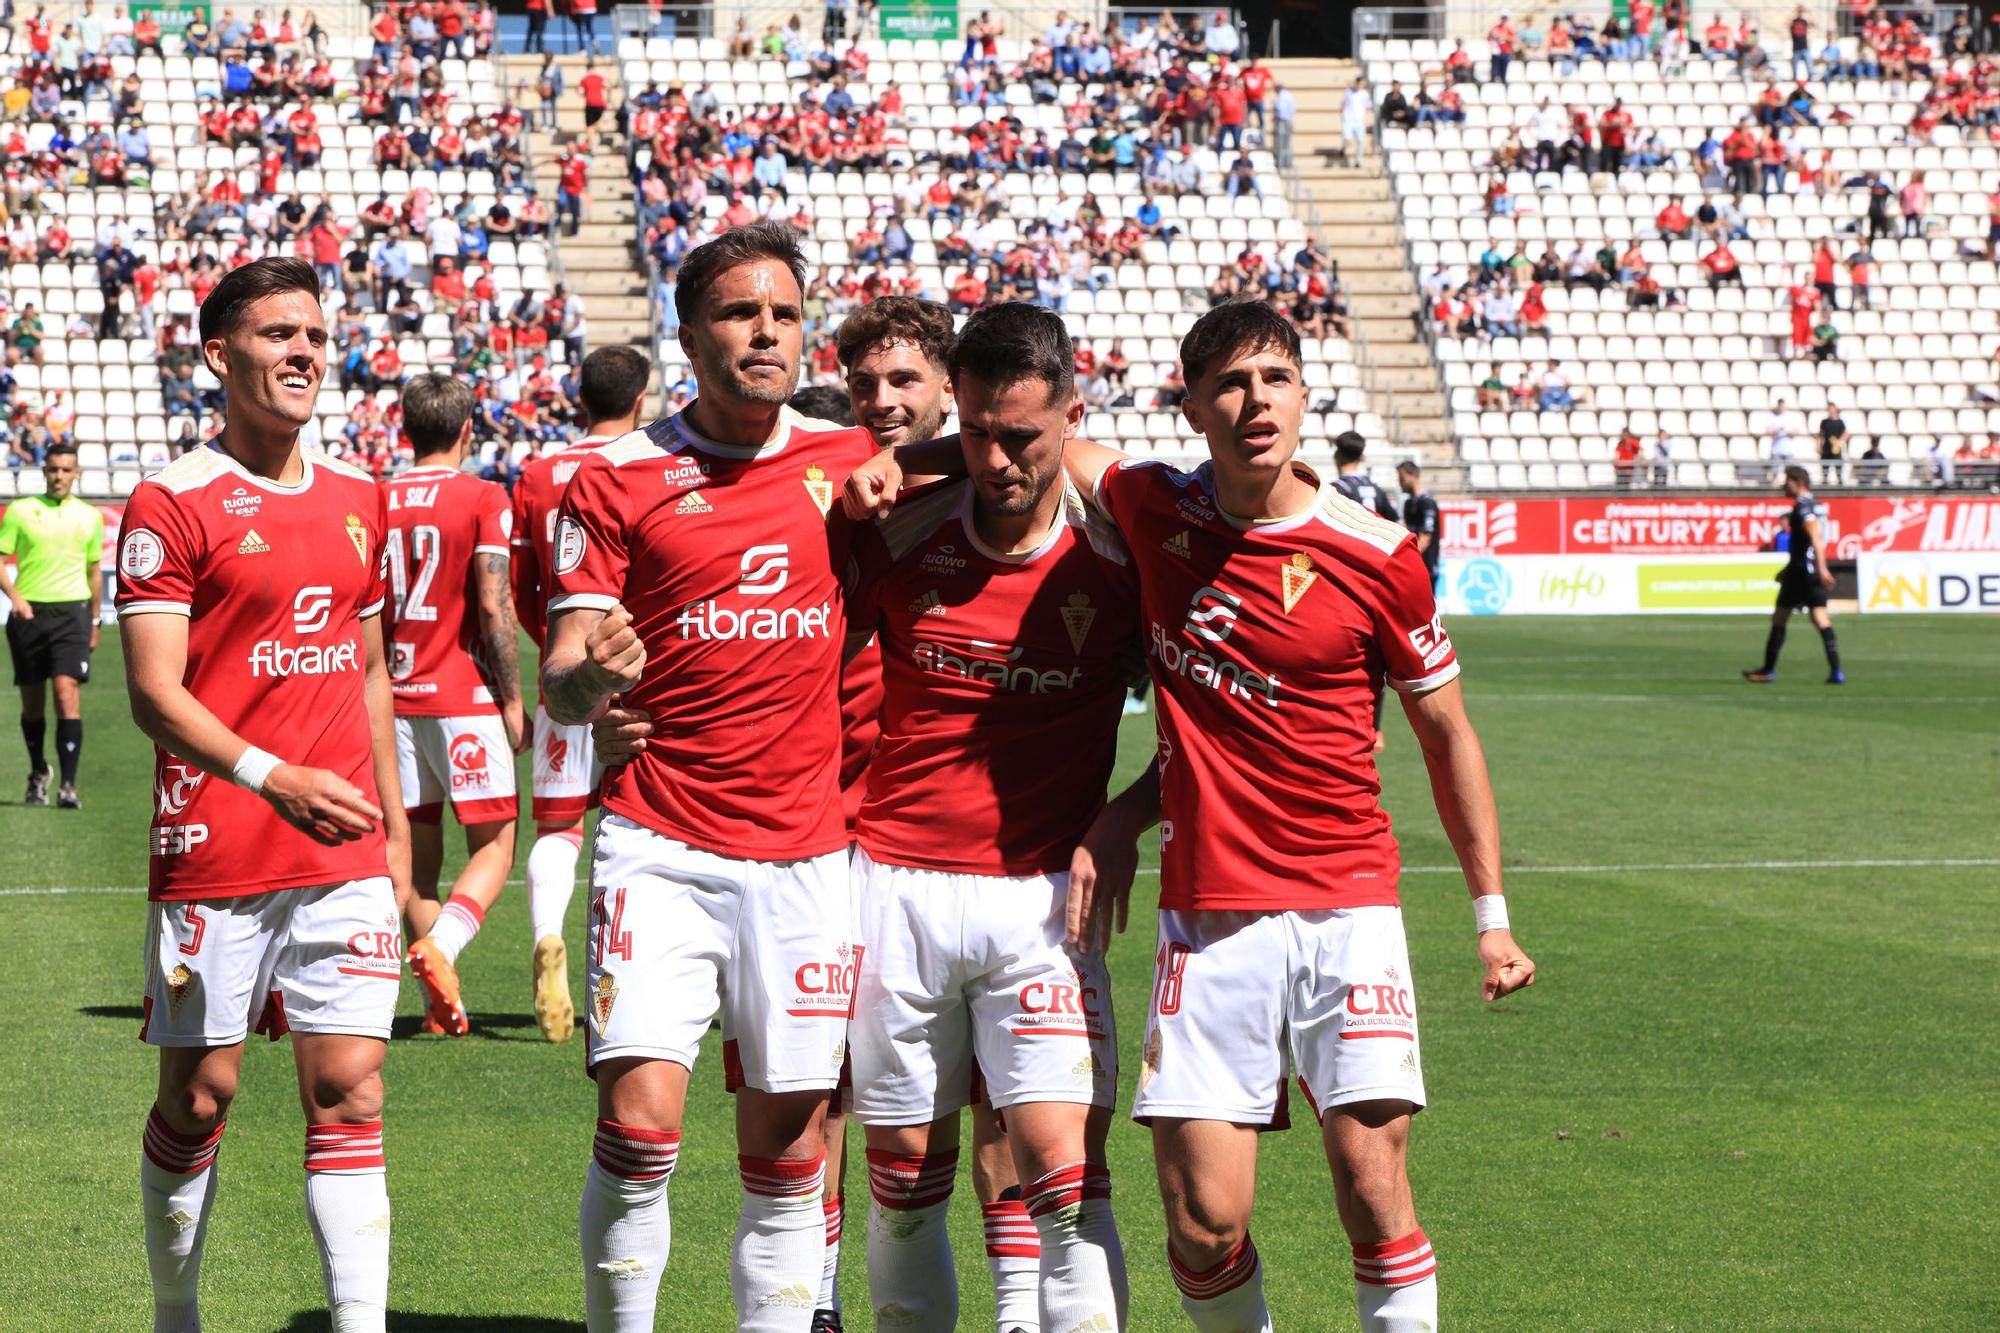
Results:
[468, 761]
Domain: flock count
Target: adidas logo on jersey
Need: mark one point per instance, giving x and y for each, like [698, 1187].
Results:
[693, 503]
[930, 604]
[252, 544]
[1177, 545]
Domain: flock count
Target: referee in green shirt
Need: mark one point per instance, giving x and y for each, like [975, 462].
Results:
[56, 542]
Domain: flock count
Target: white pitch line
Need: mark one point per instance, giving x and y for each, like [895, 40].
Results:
[1685, 867]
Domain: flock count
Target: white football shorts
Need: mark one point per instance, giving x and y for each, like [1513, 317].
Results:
[1235, 993]
[465, 760]
[974, 967]
[679, 935]
[567, 775]
[313, 960]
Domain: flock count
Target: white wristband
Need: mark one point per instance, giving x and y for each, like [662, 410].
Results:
[253, 768]
[1489, 912]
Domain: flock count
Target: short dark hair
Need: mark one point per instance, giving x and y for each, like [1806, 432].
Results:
[1013, 341]
[436, 407]
[924, 325]
[253, 282]
[738, 246]
[58, 447]
[612, 381]
[1348, 446]
[1409, 467]
[1796, 473]
[825, 402]
[1233, 327]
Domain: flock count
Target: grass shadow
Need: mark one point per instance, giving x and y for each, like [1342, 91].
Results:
[130, 1013]
[490, 1027]
[409, 1321]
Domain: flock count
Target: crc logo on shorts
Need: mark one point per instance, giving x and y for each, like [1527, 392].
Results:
[468, 761]
[765, 570]
[569, 546]
[312, 609]
[1212, 614]
[1073, 1008]
[825, 988]
[176, 787]
[142, 554]
[1380, 1010]
[386, 945]
[1431, 642]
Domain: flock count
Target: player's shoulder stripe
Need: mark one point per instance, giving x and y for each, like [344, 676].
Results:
[1360, 522]
[636, 446]
[1097, 529]
[340, 467]
[917, 517]
[818, 425]
[190, 472]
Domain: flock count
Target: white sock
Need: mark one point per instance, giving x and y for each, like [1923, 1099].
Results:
[551, 880]
[1014, 1254]
[347, 1205]
[834, 1210]
[1395, 1285]
[1228, 1298]
[1083, 1265]
[911, 1281]
[177, 1190]
[626, 1229]
[780, 1244]
[457, 922]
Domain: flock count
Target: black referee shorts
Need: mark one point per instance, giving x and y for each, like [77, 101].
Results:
[1800, 591]
[55, 643]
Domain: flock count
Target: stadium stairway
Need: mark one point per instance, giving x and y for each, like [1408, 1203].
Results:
[601, 262]
[1349, 205]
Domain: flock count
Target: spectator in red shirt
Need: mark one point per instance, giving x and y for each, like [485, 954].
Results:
[1231, 107]
[1613, 130]
[1673, 222]
[1823, 262]
[1722, 267]
[595, 97]
[1740, 150]
[1626, 458]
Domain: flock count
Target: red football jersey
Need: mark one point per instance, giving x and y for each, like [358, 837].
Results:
[729, 561]
[275, 582]
[442, 522]
[1003, 681]
[1266, 643]
[538, 493]
[860, 726]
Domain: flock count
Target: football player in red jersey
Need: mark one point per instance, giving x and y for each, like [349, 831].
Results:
[612, 384]
[455, 667]
[1271, 603]
[697, 573]
[251, 585]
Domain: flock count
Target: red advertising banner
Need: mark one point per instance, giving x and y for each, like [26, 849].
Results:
[1711, 525]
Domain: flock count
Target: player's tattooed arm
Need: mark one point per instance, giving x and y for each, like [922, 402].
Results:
[1465, 806]
[1104, 863]
[592, 655]
[499, 649]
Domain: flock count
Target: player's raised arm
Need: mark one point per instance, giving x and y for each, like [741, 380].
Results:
[871, 488]
[1464, 797]
[317, 802]
[1087, 461]
[592, 655]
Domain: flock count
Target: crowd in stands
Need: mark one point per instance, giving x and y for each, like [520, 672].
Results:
[429, 268]
[1787, 197]
[953, 209]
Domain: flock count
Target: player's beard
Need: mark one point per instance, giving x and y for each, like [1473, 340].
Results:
[923, 426]
[738, 384]
[1030, 488]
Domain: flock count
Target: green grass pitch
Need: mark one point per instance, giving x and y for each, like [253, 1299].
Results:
[1754, 1089]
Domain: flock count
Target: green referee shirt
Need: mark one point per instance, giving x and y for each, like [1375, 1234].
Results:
[57, 547]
